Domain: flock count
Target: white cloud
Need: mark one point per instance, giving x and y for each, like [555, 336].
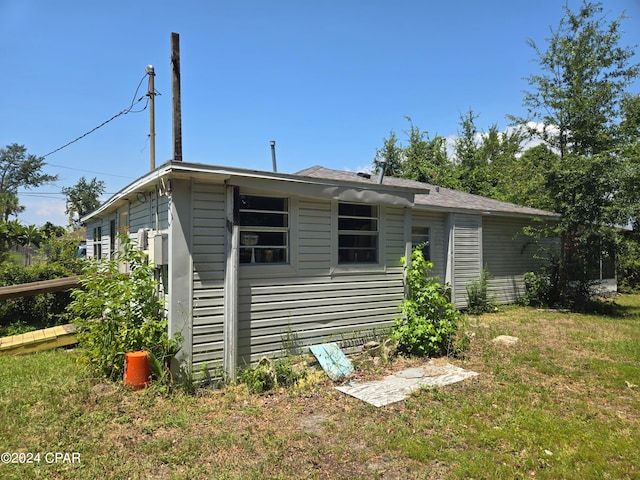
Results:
[39, 211]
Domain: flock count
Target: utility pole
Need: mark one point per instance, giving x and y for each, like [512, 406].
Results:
[152, 117]
[175, 97]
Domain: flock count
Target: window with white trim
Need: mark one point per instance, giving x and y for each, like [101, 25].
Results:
[420, 237]
[264, 229]
[97, 242]
[357, 233]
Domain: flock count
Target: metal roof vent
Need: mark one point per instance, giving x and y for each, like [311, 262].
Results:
[364, 175]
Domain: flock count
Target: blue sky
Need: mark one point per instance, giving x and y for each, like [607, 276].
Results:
[327, 80]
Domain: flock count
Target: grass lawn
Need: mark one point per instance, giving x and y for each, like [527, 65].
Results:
[564, 403]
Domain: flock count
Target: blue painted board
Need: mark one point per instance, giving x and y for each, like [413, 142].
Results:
[332, 360]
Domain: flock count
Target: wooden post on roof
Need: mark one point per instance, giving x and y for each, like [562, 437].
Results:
[175, 97]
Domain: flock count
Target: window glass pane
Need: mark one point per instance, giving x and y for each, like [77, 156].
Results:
[366, 224]
[262, 219]
[264, 229]
[357, 210]
[357, 233]
[361, 255]
[420, 236]
[357, 241]
[263, 255]
[255, 202]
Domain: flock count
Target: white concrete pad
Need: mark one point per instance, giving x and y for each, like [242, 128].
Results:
[397, 387]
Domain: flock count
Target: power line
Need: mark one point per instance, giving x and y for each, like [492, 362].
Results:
[129, 109]
[89, 171]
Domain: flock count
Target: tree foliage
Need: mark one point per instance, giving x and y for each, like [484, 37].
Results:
[579, 99]
[586, 162]
[19, 170]
[82, 198]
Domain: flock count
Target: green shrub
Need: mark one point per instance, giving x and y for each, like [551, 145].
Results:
[537, 289]
[429, 322]
[478, 299]
[117, 313]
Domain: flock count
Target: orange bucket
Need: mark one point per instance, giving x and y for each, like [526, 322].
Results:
[137, 369]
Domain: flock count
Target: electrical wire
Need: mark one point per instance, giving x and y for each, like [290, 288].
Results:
[129, 109]
[90, 171]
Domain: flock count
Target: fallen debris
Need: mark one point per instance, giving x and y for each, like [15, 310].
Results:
[397, 387]
[332, 360]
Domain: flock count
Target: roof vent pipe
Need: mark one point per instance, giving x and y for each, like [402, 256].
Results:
[273, 155]
[383, 167]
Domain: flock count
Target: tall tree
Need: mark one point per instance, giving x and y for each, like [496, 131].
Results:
[19, 169]
[391, 155]
[426, 159]
[82, 198]
[575, 106]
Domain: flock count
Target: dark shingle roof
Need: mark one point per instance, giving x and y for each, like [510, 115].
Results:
[438, 198]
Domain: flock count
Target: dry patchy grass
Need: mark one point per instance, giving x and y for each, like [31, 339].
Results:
[562, 403]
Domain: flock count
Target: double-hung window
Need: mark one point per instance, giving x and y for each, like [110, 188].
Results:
[97, 242]
[264, 229]
[357, 233]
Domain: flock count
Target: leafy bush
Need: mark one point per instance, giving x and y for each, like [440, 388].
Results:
[36, 311]
[479, 301]
[537, 289]
[117, 313]
[430, 322]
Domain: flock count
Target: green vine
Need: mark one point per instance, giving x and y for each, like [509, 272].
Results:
[429, 322]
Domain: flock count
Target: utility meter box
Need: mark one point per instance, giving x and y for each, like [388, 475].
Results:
[159, 249]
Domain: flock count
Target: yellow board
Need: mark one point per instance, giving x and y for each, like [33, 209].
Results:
[46, 339]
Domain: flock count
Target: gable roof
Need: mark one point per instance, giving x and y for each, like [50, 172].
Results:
[438, 198]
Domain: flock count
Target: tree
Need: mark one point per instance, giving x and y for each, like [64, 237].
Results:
[576, 106]
[426, 159]
[82, 198]
[19, 169]
[391, 155]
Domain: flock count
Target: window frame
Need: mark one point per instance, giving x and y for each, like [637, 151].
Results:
[248, 229]
[375, 218]
[97, 242]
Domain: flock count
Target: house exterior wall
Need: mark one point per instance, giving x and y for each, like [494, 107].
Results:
[508, 254]
[233, 313]
[465, 254]
[314, 300]
[208, 252]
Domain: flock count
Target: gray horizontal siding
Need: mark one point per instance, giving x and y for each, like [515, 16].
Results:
[313, 305]
[208, 211]
[139, 215]
[508, 254]
[393, 237]
[313, 310]
[467, 248]
[314, 237]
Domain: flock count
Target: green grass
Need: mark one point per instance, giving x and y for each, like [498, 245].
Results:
[563, 403]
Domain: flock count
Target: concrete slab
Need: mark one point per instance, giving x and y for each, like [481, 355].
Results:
[397, 387]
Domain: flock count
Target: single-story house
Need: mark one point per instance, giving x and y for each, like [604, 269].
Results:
[251, 260]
